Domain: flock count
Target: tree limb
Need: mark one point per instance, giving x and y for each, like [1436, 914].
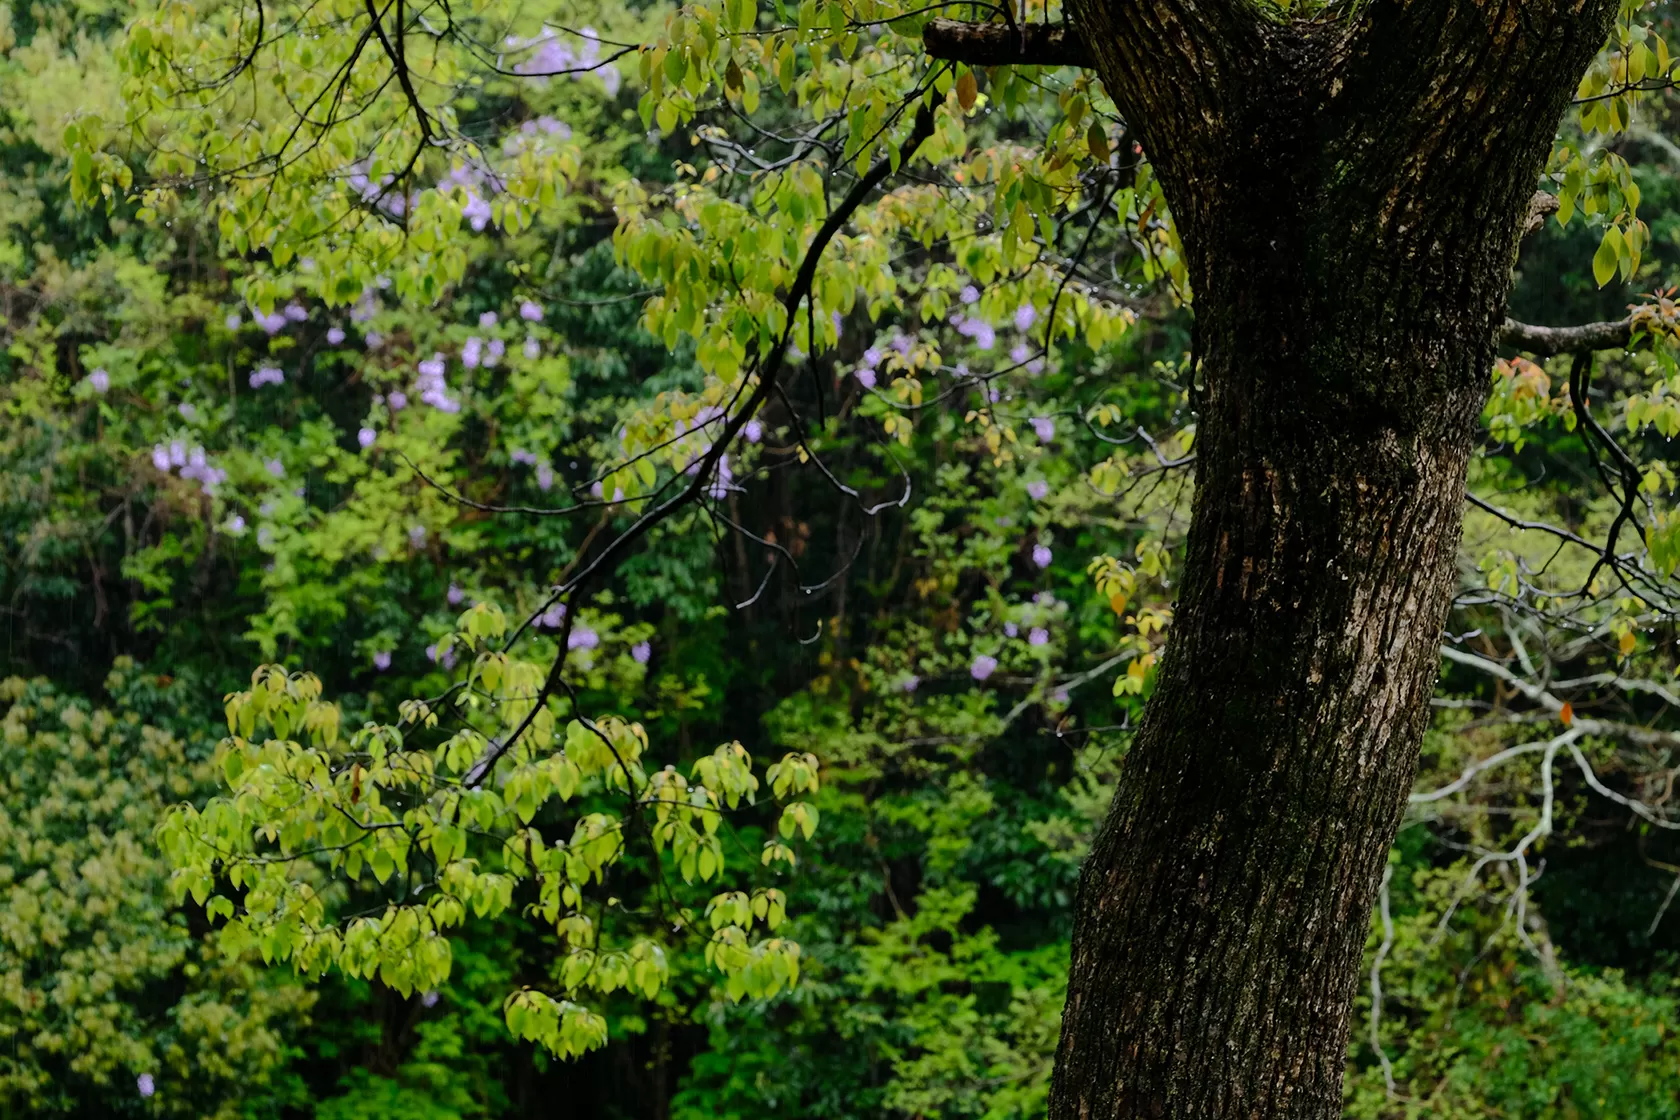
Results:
[1547, 341]
[997, 44]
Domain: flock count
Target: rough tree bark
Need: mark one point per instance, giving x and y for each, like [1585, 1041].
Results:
[1350, 191]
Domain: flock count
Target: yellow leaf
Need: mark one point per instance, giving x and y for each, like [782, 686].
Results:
[966, 91]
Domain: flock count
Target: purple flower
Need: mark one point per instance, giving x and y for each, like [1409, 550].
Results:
[177, 453]
[531, 311]
[335, 335]
[553, 616]
[1037, 489]
[471, 351]
[431, 652]
[910, 683]
[269, 323]
[720, 484]
[398, 400]
[494, 352]
[1038, 637]
[969, 294]
[267, 375]
[872, 357]
[1019, 353]
[1025, 316]
[980, 331]
[295, 312]
[100, 380]
[373, 339]
[382, 659]
[429, 1000]
[236, 524]
[582, 637]
[145, 1084]
[276, 468]
[476, 211]
[902, 343]
[1041, 555]
[754, 431]
[533, 348]
[641, 651]
[454, 595]
[865, 377]
[1010, 629]
[417, 535]
[233, 320]
[545, 476]
[1044, 428]
[366, 436]
[160, 457]
[983, 667]
[487, 320]
[836, 320]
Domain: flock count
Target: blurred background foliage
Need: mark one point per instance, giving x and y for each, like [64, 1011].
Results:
[171, 515]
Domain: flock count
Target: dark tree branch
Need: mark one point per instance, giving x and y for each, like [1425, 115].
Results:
[997, 44]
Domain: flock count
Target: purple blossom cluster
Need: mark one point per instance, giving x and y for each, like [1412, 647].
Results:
[545, 473]
[430, 385]
[99, 380]
[984, 336]
[723, 480]
[476, 352]
[266, 375]
[188, 462]
[547, 55]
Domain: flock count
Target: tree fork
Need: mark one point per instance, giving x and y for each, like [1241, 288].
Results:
[1350, 192]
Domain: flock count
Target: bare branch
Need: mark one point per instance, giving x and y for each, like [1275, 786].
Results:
[997, 44]
[1546, 341]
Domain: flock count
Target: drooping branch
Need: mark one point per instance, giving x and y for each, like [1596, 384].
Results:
[997, 44]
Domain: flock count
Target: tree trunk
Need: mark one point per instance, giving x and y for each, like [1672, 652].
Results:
[1350, 195]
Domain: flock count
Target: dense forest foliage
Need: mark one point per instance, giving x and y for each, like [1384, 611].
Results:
[936, 600]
